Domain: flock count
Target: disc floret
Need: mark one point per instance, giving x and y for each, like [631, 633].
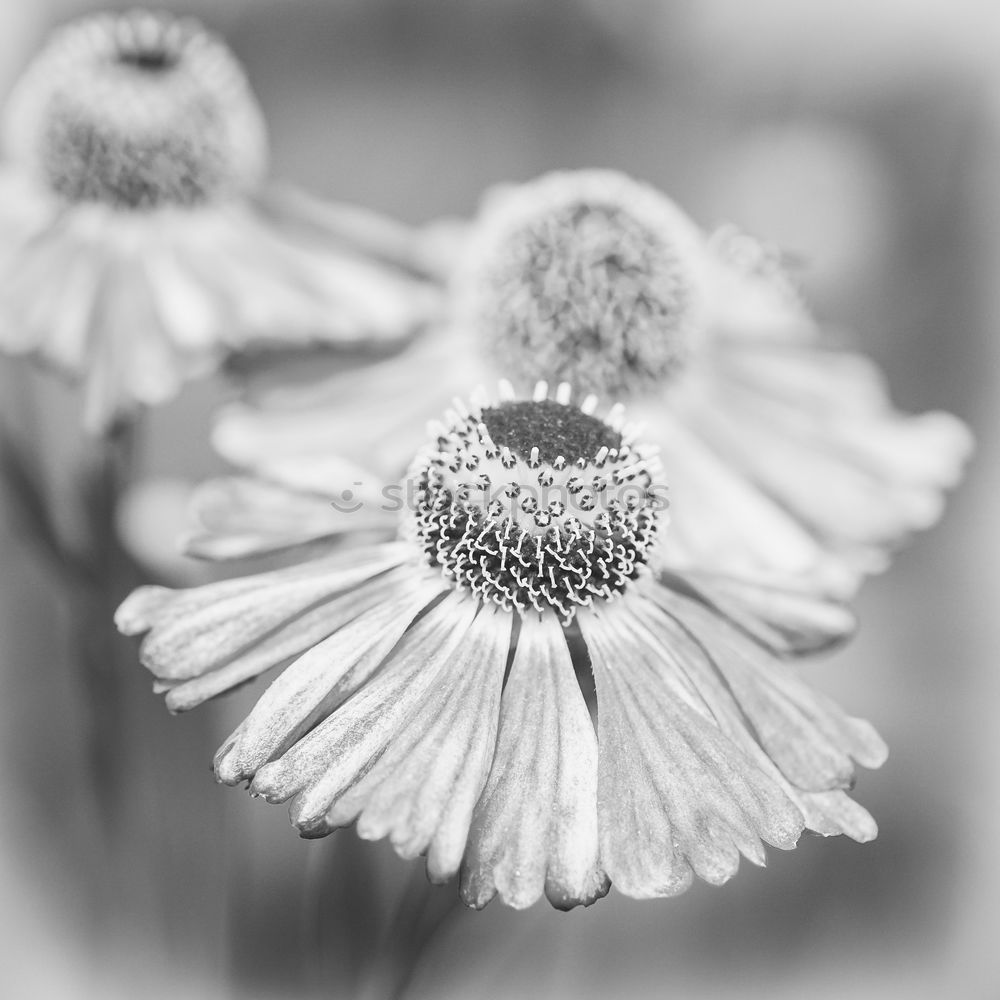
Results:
[536, 504]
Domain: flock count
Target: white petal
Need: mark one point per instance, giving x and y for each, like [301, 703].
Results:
[311, 687]
[192, 631]
[833, 813]
[815, 429]
[422, 790]
[237, 517]
[722, 522]
[131, 359]
[325, 764]
[347, 226]
[53, 318]
[535, 828]
[384, 406]
[807, 735]
[827, 813]
[187, 308]
[676, 797]
[786, 621]
[275, 649]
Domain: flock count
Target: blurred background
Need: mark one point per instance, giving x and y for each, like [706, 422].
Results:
[862, 138]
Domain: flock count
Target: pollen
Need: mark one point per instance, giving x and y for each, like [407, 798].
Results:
[137, 111]
[536, 504]
[588, 277]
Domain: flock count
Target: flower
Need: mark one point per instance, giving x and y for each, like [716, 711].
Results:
[788, 463]
[141, 243]
[433, 692]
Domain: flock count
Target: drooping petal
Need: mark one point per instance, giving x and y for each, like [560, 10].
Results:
[240, 516]
[283, 644]
[826, 813]
[188, 307]
[815, 430]
[833, 813]
[328, 672]
[422, 790]
[193, 631]
[51, 319]
[789, 622]
[676, 797]
[353, 228]
[813, 742]
[721, 521]
[279, 432]
[535, 827]
[332, 758]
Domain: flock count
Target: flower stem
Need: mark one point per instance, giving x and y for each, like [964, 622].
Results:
[424, 911]
[111, 574]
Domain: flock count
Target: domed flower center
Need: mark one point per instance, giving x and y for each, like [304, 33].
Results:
[536, 503]
[589, 277]
[137, 111]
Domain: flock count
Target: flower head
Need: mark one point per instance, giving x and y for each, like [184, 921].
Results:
[137, 111]
[788, 463]
[433, 692]
[513, 503]
[141, 245]
[590, 277]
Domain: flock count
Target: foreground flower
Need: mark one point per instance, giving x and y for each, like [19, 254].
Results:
[787, 461]
[140, 244]
[530, 546]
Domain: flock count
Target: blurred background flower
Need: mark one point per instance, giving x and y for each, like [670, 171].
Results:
[874, 134]
[785, 459]
[141, 245]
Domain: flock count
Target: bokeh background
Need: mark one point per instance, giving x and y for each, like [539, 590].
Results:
[865, 140]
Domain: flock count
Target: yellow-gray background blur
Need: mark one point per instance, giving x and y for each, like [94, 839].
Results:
[864, 137]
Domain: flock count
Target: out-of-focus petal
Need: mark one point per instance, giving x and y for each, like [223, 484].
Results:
[241, 516]
[788, 622]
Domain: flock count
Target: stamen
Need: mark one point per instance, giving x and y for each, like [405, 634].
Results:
[498, 535]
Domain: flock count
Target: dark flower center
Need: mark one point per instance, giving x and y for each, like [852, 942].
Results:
[536, 504]
[550, 427]
[148, 60]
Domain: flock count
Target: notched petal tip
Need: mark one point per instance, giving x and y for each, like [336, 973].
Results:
[648, 885]
[267, 784]
[135, 613]
[316, 830]
[225, 766]
[832, 814]
[475, 898]
[560, 899]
